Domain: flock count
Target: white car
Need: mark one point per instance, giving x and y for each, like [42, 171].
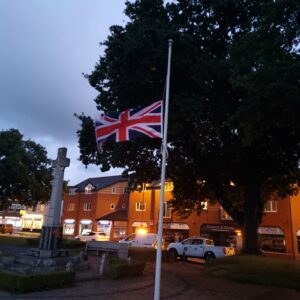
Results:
[199, 247]
[92, 236]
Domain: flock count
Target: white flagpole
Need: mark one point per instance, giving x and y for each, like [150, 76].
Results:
[162, 181]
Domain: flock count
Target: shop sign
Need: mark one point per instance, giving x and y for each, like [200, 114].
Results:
[176, 226]
[270, 230]
[139, 224]
[86, 222]
[69, 221]
[217, 227]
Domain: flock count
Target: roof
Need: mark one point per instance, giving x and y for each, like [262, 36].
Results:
[117, 215]
[99, 182]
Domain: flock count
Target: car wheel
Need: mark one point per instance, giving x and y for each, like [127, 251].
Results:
[209, 257]
[173, 255]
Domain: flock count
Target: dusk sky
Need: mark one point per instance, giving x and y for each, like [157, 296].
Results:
[46, 45]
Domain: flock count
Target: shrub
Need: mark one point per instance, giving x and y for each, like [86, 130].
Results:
[118, 268]
[32, 242]
[28, 283]
[146, 254]
[66, 243]
[72, 244]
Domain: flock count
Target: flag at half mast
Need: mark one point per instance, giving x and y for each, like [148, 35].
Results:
[130, 124]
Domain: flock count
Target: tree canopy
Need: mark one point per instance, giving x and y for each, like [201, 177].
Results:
[25, 172]
[234, 134]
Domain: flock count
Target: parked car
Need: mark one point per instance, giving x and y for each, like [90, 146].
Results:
[92, 236]
[147, 240]
[199, 247]
[6, 228]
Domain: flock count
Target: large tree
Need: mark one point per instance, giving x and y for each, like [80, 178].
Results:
[235, 89]
[25, 172]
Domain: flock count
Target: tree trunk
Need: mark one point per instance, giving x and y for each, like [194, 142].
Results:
[250, 237]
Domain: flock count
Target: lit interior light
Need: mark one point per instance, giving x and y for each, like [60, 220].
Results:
[238, 232]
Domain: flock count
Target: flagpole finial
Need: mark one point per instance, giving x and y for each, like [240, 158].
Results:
[170, 41]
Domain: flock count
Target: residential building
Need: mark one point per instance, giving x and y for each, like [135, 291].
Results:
[88, 202]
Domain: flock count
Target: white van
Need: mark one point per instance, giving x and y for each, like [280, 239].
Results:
[140, 240]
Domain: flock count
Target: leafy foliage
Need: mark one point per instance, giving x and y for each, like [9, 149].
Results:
[234, 106]
[25, 173]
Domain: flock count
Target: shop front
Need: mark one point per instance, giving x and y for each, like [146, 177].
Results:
[114, 224]
[69, 227]
[104, 226]
[175, 232]
[85, 224]
[15, 221]
[271, 239]
[32, 222]
[222, 235]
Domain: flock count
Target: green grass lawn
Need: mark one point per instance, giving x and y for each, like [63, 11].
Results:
[74, 245]
[13, 241]
[257, 269]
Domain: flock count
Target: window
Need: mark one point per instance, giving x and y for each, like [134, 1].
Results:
[126, 190]
[112, 206]
[71, 206]
[167, 210]
[113, 190]
[72, 191]
[169, 186]
[87, 206]
[140, 206]
[88, 189]
[204, 205]
[271, 206]
[187, 242]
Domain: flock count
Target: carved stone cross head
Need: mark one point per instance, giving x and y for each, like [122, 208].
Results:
[61, 160]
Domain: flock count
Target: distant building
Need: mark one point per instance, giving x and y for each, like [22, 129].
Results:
[88, 202]
[24, 218]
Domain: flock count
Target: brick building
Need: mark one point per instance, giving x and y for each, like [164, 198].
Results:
[91, 199]
[103, 204]
[279, 232]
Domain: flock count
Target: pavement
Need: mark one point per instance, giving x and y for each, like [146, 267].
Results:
[180, 281]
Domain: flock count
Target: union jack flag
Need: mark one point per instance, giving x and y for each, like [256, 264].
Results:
[130, 124]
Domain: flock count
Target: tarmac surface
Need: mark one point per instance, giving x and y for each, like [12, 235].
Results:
[180, 280]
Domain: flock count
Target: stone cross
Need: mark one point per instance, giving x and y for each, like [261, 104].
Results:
[59, 165]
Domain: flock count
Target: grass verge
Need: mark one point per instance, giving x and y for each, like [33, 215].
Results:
[258, 270]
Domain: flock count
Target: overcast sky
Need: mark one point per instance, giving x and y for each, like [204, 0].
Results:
[45, 45]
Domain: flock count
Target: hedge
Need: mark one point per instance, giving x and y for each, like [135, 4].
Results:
[66, 243]
[28, 283]
[147, 254]
[118, 268]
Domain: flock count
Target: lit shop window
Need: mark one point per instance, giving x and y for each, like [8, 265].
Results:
[140, 206]
[87, 206]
